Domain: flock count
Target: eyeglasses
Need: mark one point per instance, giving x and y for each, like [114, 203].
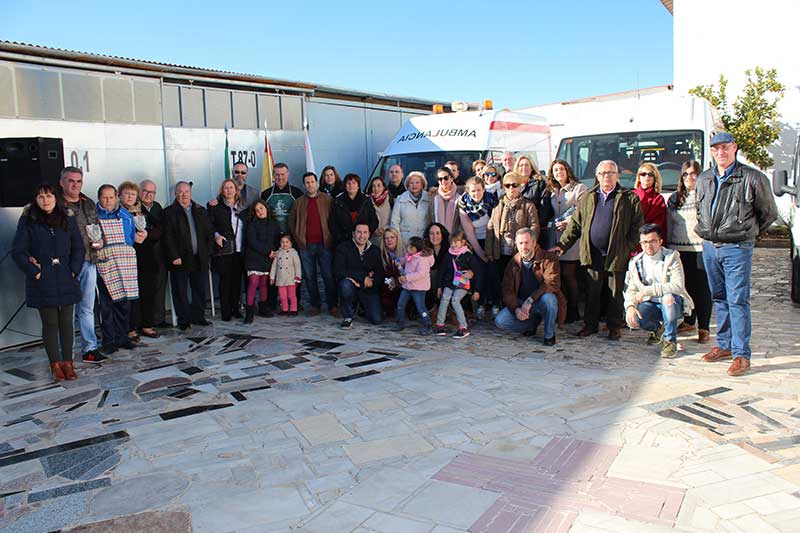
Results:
[490, 174]
[511, 185]
[145, 191]
[607, 173]
[643, 174]
[240, 172]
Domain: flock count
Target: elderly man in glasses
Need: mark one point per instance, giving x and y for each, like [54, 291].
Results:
[655, 291]
[735, 206]
[606, 222]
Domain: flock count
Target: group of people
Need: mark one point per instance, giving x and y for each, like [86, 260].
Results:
[508, 242]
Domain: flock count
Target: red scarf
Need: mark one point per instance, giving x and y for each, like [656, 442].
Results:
[378, 199]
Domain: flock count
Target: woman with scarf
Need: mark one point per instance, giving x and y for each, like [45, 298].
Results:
[228, 258]
[491, 180]
[331, 182]
[535, 190]
[382, 203]
[411, 214]
[117, 276]
[648, 189]
[513, 212]
[392, 247]
[350, 206]
[443, 206]
[475, 210]
[566, 191]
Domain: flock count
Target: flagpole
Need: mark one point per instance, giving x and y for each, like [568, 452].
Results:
[227, 156]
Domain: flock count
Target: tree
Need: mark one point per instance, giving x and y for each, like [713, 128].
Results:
[753, 117]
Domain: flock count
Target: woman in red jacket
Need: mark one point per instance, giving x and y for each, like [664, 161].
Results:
[648, 189]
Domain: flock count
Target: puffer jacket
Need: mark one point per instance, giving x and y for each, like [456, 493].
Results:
[745, 206]
[417, 270]
[60, 254]
[409, 219]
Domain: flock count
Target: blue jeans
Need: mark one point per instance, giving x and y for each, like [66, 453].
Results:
[310, 257]
[728, 269]
[369, 299]
[84, 310]
[545, 308]
[654, 313]
[418, 297]
[454, 297]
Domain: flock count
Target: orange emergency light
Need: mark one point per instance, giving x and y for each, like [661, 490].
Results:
[438, 108]
[488, 104]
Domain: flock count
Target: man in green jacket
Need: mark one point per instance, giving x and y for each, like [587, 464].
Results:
[607, 222]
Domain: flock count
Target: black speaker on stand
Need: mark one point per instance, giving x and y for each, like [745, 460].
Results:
[25, 163]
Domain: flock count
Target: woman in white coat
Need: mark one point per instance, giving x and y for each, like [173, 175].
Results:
[410, 215]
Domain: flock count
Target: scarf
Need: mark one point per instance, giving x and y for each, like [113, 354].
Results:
[353, 205]
[494, 188]
[445, 203]
[508, 208]
[455, 252]
[476, 210]
[378, 199]
[415, 197]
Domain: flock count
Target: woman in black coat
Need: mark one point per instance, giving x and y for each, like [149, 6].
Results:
[350, 206]
[48, 248]
[227, 259]
[262, 235]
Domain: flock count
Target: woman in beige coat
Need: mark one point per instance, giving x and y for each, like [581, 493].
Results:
[512, 213]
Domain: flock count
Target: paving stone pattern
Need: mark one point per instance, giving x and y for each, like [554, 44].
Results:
[293, 425]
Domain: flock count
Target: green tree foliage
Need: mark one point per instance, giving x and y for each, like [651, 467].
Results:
[753, 117]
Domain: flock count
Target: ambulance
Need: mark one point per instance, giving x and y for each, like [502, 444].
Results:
[787, 182]
[425, 143]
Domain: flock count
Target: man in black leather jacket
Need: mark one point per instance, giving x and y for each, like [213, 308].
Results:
[735, 206]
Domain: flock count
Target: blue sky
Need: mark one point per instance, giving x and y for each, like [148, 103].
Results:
[516, 53]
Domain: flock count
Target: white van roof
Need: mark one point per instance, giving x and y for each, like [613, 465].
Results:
[471, 131]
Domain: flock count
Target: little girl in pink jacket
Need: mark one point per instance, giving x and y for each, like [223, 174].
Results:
[416, 281]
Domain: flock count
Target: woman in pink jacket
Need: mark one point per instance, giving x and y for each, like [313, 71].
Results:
[415, 270]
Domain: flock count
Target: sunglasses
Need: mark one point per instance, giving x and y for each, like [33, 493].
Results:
[511, 185]
[685, 174]
[491, 174]
[643, 174]
[240, 172]
[445, 178]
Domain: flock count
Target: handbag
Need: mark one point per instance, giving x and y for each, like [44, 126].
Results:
[460, 281]
[229, 245]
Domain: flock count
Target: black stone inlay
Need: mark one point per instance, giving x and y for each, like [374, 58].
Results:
[357, 376]
[243, 358]
[21, 374]
[251, 389]
[717, 411]
[25, 392]
[7, 494]
[755, 412]
[369, 362]
[163, 365]
[329, 358]
[238, 396]
[192, 370]
[183, 393]
[65, 490]
[297, 360]
[282, 365]
[701, 414]
[103, 399]
[74, 445]
[382, 352]
[670, 413]
[712, 392]
[75, 398]
[188, 411]
[11, 452]
[325, 345]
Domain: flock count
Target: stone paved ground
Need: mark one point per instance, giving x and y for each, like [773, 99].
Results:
[294, 425]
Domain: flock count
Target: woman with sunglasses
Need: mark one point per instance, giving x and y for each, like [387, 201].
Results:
[443, 206]
[566, 191]
[491, 179]
[681, 221]
[513, 212]
[648, 189]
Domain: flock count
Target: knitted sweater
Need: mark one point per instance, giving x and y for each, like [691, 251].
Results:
[681, 222]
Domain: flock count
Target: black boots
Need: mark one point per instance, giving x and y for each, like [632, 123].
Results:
[250, 311]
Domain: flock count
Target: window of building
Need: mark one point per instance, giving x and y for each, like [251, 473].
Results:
[82, 97]
[38, 93]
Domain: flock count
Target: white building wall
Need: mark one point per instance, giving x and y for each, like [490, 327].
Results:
[713, 37]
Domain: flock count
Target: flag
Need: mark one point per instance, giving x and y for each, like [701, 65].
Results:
[309, 155]
[226, 160]
[269, 162]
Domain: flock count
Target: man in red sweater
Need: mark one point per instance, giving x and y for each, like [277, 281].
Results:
[308, 223]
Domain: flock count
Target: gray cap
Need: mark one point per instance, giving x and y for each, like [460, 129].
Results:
[722, 138]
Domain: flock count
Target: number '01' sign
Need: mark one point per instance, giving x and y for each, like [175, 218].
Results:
[243, 156]
[75, 160]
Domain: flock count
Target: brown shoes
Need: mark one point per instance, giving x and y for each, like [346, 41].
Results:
[684, 327]
[58, 373]
[703, 336]
[586, 331]
[740, 366]
[716, 354]
[69, 370]
[614, 334]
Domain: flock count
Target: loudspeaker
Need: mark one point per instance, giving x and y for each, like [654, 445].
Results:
[25, 163]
